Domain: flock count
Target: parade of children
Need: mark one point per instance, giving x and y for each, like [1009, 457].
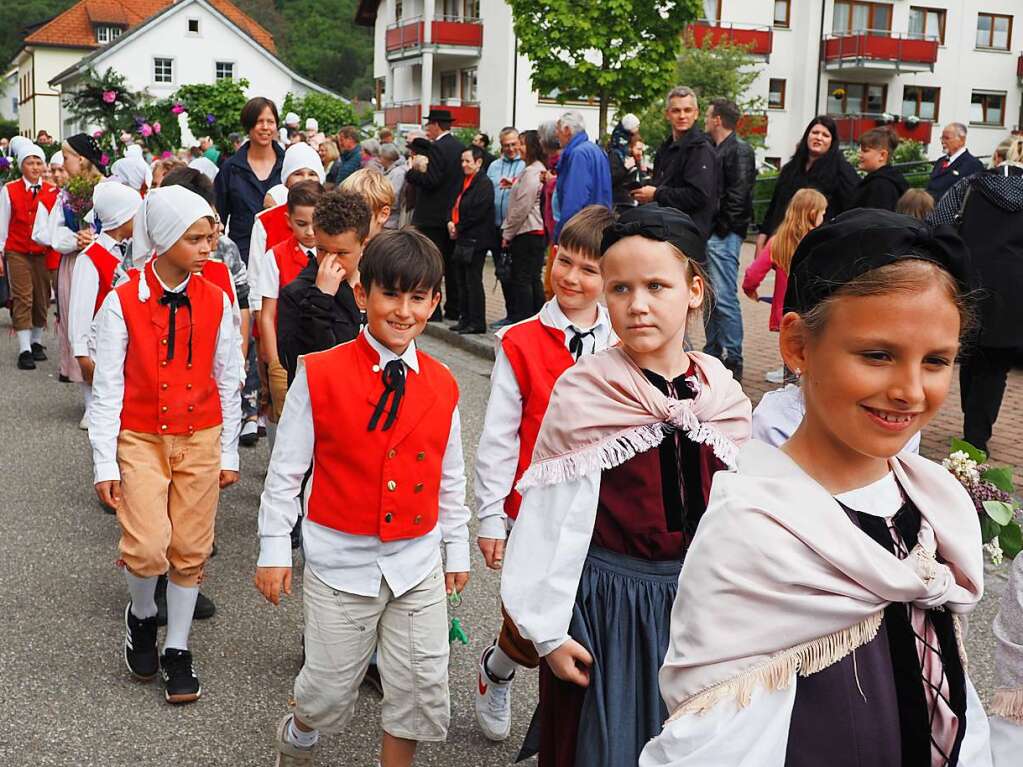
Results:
[437, 524]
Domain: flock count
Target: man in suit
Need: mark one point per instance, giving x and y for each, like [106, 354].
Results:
[956, 164]
[437, 186]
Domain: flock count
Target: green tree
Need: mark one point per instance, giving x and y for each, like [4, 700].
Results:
[330, 112]
[617, 51]
[213, 110]
[104, 102]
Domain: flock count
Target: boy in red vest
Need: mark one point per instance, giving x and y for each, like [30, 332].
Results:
[164, 425]
[378, 421]
[531, 355]
[25, 205]
[97, 271]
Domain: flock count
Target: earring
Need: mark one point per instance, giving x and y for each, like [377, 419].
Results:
[799, 372]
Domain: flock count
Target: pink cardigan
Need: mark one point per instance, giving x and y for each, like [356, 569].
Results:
[755, 274]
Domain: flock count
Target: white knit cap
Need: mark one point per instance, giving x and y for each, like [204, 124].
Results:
[298, 156]
[131, 171]
[17, 142]
[114, 203]
[57, 159]
[206, 166]
[312, 124]
[630, 122]
[25, 151]
[160, 220]
[291, 119]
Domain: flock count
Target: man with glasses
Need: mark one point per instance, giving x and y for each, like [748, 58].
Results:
[503, 173]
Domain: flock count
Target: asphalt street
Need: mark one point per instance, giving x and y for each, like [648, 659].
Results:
[65, 695]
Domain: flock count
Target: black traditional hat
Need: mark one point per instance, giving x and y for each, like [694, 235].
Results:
[658, 223]
[439, 116]
[88, 147]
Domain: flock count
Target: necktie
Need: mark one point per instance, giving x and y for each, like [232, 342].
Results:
[394, 387]
[944, 163]
[35, 190]
[174, 301]
[575, 345]
[312, 256]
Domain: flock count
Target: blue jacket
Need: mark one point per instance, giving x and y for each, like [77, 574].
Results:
[239, 194]
[345, 165]
[500, 168]
[584, 178]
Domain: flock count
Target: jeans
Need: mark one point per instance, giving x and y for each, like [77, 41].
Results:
[470, 278]
[250, 389]
[724, 320]
[527, 257]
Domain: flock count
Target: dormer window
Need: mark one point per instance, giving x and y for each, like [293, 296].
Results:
[193, 26]
[106, 33]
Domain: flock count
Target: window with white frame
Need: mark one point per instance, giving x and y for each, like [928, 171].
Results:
[224, 70]
[776, 94]
[927, 23]
[163, 70]
[448, 85]
[106, 33]
[469, 85]
[987, 108]
[994, 31]
[193, 26]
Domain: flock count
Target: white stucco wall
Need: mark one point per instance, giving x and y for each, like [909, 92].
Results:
[42, 111]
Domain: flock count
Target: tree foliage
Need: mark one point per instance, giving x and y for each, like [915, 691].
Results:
[615, 51]
[213, 110]
[16, 15]
[330, 112]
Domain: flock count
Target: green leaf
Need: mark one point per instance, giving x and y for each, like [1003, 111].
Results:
[989, 529]
[999, 511]
[1000, 478]
[961, 445]
[1011, 540]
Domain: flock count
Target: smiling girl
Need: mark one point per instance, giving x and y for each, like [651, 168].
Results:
[817, 614]
[618, 482]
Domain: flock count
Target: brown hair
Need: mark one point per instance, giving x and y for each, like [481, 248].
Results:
[338, 212]
[401, 259]
[880, 138]
[254, 108]
[166, 165]
[350, 132]
[304, 194]
[373, 186]
[583, 232]
[917, 203]
[800, 218]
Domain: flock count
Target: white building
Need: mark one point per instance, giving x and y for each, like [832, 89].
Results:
[9, 95]
[458, 55]
[926, 64]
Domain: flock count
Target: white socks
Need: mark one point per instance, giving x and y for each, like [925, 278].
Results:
[37, 335]
[180, 607]
[300, 738]
[24, 341]
[143, 595]
[500, 666]
[86, 396]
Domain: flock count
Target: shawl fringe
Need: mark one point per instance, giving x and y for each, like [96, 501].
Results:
[624, 446]
[1008, 704]
[775, 673]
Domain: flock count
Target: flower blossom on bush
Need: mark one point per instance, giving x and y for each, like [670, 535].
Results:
[146, 130]
[177, 109]
[210, 119]
[157, 127]
[109, 97]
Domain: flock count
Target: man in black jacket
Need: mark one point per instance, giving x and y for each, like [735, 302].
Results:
[686, 168]
[956, 164]
[735, 210]
[436, 189]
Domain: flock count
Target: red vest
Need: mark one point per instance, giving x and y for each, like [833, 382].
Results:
[106, 264]
[291, 259]
[218, 273]
[174, 397]
[23, 216]
[52, 260]
[380, 483]
[538, 357]
[275, 223]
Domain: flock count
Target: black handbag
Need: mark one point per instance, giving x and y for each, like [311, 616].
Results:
[502, 264]
[465, 249]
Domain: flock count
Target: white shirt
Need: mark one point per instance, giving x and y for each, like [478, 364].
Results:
[40, 226]
[108, 384]
[497, 455]
[84, 289]
[257, 258]
[356, 563]
[270, 274]
[956, 155]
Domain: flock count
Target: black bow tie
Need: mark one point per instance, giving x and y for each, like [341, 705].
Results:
[394, 387]
[174, 301]
[575, 345]
[35, 189]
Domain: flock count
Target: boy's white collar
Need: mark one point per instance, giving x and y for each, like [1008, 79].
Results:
[410, 357]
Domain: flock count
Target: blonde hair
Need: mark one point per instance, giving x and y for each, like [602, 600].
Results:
[1010, 150]
[330, 149]
[372, 186]
[164, 166]
[800, 218]
[87, 169]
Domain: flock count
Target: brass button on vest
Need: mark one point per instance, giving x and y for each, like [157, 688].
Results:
[392, 485]
[164, 385]
[163, 427]
[420, 456]
[419, 487]
[387, 517]
[417, 520]
[163, 341]
[391, 453]
[163, 409]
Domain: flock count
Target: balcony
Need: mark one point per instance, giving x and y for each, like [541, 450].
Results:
[453, 35]
[465, 114]
[851, 127]
[408, 113]
[752, 125]
[879, 51]
[759, 40]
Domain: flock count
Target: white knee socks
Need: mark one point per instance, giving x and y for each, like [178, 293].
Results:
[86, 396]
[143, 595]
[24, 341]
[37, 335]
[180, 607]
[500, 665]
[301, 738]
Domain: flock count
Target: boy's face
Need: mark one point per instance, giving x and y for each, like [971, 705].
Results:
[395, 317]
[59, 175]
[346, 246]
[192, 251]
[576, 280]
[32, 169]
[300, 175]
[301, 222]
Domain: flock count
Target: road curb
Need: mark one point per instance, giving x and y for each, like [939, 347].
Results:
[481, 346]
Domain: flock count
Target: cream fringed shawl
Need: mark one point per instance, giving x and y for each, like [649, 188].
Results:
[1008, 630]
[780, 581]
[603, 411]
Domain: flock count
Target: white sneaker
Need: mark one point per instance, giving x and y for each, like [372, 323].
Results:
[84, 423]
[775, 376]
[493, 702]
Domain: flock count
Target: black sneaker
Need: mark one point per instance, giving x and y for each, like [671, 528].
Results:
[204, 607]
[38, 352]
[140, 655]
[182, 685]
[25, 361]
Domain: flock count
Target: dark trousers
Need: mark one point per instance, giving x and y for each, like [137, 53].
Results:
[527, 256]
[506, 284]
[452, 288]
[470, 279]
[982, 377]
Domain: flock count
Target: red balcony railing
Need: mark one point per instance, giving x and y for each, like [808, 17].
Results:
[752, 125]
[410, 34]
[866, 48]
[404, 35]
[759, 39]
[465, 116]
[409, 113]
[851, 127]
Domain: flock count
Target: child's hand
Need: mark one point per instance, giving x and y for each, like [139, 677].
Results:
[455, 582]
[752, 295]
[271, 581]
[227, 477]
[571, 663]
[330, 275]
[83, 237]
[493, 551]
[109, 492]
[87, 367]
